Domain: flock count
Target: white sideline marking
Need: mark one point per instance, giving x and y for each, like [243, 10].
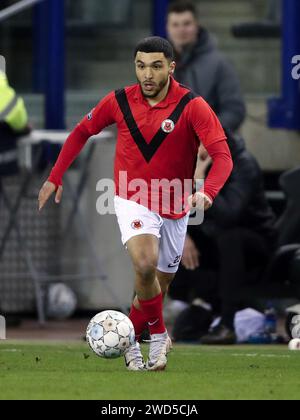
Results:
[275, 356]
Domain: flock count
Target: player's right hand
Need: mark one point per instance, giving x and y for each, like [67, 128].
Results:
[46, 191]
[191, 255]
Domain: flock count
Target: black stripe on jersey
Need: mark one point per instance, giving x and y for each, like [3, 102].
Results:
[149, 150]
[185, 87]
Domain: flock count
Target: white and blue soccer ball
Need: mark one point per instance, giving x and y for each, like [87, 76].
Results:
[110, 333]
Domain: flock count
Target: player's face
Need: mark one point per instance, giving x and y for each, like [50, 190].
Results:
[182, 29]
[153, 71]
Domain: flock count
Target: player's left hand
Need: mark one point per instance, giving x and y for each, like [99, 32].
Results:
[191, 255]
[200, 201]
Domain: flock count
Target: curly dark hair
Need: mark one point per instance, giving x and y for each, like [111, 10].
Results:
[155, 44]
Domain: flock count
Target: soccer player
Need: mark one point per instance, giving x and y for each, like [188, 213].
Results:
[160, 127]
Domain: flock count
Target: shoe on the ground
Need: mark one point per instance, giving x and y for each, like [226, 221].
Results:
[160, 346]
[134, 359]
[169, 345]
[220, 335]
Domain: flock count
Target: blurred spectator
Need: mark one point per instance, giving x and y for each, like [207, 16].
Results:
[202, 67]
[13, 123]
[232, 247]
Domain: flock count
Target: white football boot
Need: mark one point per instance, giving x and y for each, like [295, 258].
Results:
[160, 346]
[134, 359]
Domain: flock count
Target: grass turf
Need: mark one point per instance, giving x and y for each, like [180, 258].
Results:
[71, 371]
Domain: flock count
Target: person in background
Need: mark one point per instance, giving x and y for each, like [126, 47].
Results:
[202, 67]
[235, 242]
[13, 124]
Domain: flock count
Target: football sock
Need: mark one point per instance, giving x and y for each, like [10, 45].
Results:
[139, 321]
[153, 313]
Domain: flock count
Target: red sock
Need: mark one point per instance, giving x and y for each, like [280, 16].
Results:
[139, 321]
[153, 312]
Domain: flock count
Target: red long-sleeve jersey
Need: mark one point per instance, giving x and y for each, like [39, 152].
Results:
[154, 144]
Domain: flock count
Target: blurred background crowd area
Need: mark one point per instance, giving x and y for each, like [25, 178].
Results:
[99, 39]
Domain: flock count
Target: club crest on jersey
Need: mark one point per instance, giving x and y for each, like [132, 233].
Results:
[137, 224]
[90, 116]
[167, 126]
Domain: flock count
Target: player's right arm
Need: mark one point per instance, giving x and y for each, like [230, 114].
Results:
[100, 117]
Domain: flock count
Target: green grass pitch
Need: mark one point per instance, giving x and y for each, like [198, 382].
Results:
[71, 371]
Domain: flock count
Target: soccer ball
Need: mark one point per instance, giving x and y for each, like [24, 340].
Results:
[61, 301]
[294, 344]
[109, 334]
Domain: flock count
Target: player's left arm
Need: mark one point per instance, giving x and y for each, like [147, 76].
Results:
[211, 134]
[100, 117]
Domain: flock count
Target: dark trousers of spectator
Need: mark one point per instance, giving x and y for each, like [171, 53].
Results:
[230, 264]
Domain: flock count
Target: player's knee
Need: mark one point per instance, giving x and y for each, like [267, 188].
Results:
[145, 268]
